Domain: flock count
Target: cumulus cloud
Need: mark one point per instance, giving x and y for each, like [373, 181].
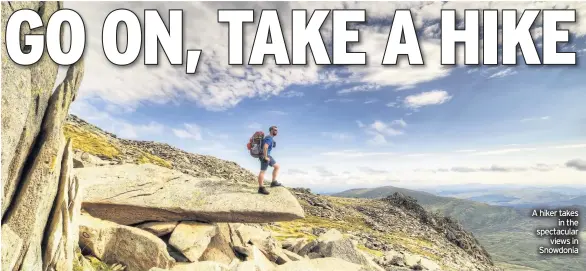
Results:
[218, 85]
[189, 131]
[114, 124]
[577, 164]
[433, 97]
[360, 88]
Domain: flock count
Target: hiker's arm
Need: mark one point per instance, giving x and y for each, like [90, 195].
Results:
[266, 150]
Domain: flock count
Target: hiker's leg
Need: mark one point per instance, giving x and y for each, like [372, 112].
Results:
[261, 177]
[263, 167]
[276, 167]
[275, 171]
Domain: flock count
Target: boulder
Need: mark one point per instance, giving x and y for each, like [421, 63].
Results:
[333, 244]
[248, 233]
[192, 238]
[158, 228]
[221, 248]
[260, 260]
[308, 247]
[130, 194]
[129, 246]
[320, 264]
[330, 235]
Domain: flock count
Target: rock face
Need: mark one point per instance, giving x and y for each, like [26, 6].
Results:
[63, 225]
[129, 194]
[25, 95]
[39, 193]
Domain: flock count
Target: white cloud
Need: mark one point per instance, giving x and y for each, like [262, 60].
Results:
[255, 126]
[533, 119]
[370, 101]
[379, 130]
[189, 131]
[292, 94]
[504, 151]
[113, 124]
[503, 73]
[132, 131]
[338, 136]
[344, 100]
[218, 86]
[388, 129]
[433, 97]
[360, 88]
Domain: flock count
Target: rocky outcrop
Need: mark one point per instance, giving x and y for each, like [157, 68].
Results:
[39, 193]
[451, 229]
[62, 230]
[134, 248]
[130, 194]
[378, 226]
[25, 97]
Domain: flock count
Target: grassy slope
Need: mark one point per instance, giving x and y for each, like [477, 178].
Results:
[506, 233]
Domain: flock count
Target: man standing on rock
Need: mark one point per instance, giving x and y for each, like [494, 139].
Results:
[267, 160]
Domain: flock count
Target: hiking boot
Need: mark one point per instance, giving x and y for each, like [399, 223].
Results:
[263, 190]
[275, 183]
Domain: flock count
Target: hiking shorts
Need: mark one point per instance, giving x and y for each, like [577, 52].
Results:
[264, 164]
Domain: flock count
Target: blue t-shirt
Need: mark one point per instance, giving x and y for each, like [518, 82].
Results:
[268, 140]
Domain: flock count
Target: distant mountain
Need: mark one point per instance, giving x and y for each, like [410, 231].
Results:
[506, 232]
[525, 197]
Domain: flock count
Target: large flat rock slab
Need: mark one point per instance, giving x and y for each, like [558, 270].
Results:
[129, 194]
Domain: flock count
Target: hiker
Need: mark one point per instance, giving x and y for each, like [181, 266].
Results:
[267, 160]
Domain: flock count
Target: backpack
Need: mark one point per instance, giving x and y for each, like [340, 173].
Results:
[255, 144]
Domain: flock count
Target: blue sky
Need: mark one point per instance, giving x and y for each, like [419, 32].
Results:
[354, 127]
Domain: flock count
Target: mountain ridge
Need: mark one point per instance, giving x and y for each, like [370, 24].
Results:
[504, 230]
[379, 228]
